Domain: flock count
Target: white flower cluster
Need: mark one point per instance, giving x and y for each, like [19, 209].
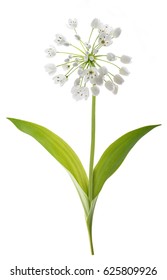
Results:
[86, 60]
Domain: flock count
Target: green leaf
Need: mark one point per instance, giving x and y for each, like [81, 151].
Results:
[114, 155]
[58, 148]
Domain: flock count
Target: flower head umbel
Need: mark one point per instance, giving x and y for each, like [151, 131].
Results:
[92, 67]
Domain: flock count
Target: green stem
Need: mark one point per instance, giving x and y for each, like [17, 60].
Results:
[82, 43]
[89, 227]
[108, 62]
[69, 53]
[90, 35]
[92, 202]
[94, 44]
[77, 49]
[73, 69]
[92, 148]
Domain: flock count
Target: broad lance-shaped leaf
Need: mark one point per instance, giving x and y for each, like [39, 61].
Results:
[114, 155]
[58, 148]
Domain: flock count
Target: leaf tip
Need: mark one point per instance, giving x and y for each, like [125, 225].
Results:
[10, 119]
[156, 125]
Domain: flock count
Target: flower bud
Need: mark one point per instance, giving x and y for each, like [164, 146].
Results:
[77, 37]
[116, 32]
[95, 90]
[91, 58]
[95, 23]
[118, 79]
[109, 85]
[125, 59]
[77, 82]
[99, 80]
[95, 51]
[103, 71]
[86, 58]
[80, 72]
[115, 89]
[66, 44]
[124, 71]
[111, 57]
[87, 45]
[75, 64]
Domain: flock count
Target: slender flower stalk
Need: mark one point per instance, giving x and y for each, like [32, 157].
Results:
[91, 167]
[92, 149]
[90, 35]
[108, 62]
[77, 48]
[79, 39]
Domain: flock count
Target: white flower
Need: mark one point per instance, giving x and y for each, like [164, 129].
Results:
[72, 23]
[51, 51]
[116, 32]
[60, 79]
[111, 57]
[90, 74]
[80, 93]
[93, 67]
[50, 68]
[95, 90]
[60, 40]
[124, 71]
[118, 79]
[105, 28]
[95, 23]
[125, 59]
[105, 39]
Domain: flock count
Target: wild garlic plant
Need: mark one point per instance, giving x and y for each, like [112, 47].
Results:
[94, 67]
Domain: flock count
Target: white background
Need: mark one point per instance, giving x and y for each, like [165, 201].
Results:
[42, 221]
